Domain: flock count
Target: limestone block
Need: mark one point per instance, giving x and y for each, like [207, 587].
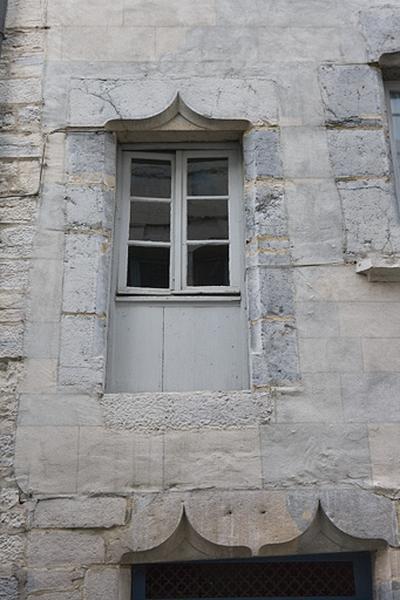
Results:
[14, 274]
[317, 319]
[80, 513]
[102, 583]
[11, 549]
[299, 94]
[339, 283]
[19, 177]
[46, 289]
[265, 210]
[9, 588]
[381, 354]
[25, 90]
[108, 43]
[88, 158]
[385, 455]
[85, 274]
[372, 397]
[261, 153]
[42, 339]
[58, 410]
[336, 354]
[90, 206]
[18, 145]
[11, 300]
[6, 450]
[361, 514]
[51, 548]
[40, 375]
[248, 519]
[176, 14]
[17, 210]
[351, 93]
[47, 459]
[277, 363]
[82, 342]
[212, 458]
[9, 498]
[73, 595]
[117, 462]
[24, 14]
[52, 211]
[305, 152]
[267, 250]
[369, 209]
[358, 153]
[270, 292]
[55, 580]
[319, 399]
[315, 221]
[87, 13]
[11, 340]
[369, 319]
[323, 454]
[380, 25]
[16, 241]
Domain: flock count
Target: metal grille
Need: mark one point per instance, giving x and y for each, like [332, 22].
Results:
[249, 580]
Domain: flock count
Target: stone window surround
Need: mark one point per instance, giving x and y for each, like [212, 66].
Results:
[78, 249]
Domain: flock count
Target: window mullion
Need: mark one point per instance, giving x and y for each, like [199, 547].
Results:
[176, 238]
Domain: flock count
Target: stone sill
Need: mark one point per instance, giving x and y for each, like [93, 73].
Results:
[380, 268]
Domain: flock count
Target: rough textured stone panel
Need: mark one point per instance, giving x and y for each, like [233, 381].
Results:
[380, 25]
[56, 580]
[79, 513]
[11, 549]
[8, 588]
[102, 583]
[261, 152]
[153, 412]
[322, 454]
[305, 152]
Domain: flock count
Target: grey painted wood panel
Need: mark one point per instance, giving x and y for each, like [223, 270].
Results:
[136, 348]
[204, 348]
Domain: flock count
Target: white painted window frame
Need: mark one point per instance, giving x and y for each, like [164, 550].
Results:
[178, 154]
[393, 86]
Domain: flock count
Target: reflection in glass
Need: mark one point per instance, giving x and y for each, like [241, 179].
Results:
[208, 265]
[207, 177]
[148, 267]
[150, 221]
[151, 178]
[207, 220]
[395, 106]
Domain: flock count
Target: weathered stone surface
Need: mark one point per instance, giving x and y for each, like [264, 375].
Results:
[262, 155]
[16, 210]
[309, 455]
[8, 588]
[385, 455]
[358, 153]
[369, 319]
[351, 94]
[277, 363]
[381, 354]
[51, 548]
[89, 206]
[11, 549]
[55, 580]
[334, 354]
[305, 152]
[154, 412]
[265, 210]
[102, 583]
[58, 410]
[315, 221]
[371, 397]
[317, 319]
[212, 458]
[80, 513]
[369, 209]
[380, 26]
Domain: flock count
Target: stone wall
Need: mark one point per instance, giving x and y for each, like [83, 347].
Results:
[307, 460]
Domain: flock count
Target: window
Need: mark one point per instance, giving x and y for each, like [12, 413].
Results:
[393, 93]
[180, 223]
[339, 576]
[178, 319]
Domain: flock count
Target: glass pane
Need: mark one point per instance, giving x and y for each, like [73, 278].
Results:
[207, 220]
[151, 178]
[150, 221]
[395, 102]
[207, 177]
[208, 265]
[148, 267]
